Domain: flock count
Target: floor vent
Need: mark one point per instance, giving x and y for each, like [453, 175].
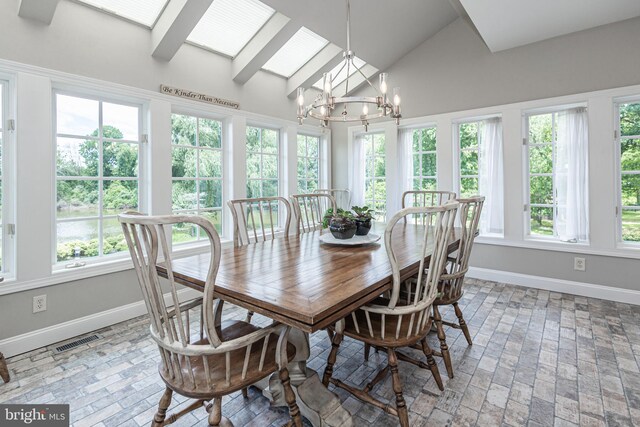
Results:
[76, 343]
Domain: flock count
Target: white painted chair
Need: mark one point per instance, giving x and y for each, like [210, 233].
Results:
[387, 323]
[341, 196]
[258, 220]
[309, 210]
[424, 198]
[230, 357]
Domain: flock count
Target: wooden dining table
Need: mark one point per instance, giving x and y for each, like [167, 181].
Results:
[308, 285]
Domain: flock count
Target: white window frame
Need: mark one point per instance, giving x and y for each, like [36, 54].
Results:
[421, 152]
[143, 186]
[373, 177]
[458, 150]
[619, 173]
[306, 157]
[8, 177]
[554, 110]
[197, 179]
[279, 157]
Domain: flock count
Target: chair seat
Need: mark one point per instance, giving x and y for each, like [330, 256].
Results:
[390, 328]
[217, 386]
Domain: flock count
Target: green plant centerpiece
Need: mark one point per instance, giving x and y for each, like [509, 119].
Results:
[341, 223]
[363, 217]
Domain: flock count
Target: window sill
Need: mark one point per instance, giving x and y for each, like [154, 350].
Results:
[583, 248]
[60, 274]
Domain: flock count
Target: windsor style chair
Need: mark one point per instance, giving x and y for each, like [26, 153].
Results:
[450, 288]
[386, 323]
[229, 356]
[258, 220]
[424, 198]
[342, 196]
[309, 210]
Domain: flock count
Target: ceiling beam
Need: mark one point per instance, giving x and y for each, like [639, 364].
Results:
[356, 81]
[305, 77]
[174, 26]
[39, 10]
[271, 37]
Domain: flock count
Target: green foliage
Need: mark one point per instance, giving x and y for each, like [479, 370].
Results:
[362, 213]
[66, 251]
[340, 213]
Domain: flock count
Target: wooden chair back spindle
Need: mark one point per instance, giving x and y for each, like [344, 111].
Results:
[309, 210]
[341, 196]
[424, 198]
[458, 265]
[258, 220]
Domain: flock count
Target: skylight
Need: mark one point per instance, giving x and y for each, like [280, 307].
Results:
[145, 12]
[228, 25]
[296, 52]
[342, 75]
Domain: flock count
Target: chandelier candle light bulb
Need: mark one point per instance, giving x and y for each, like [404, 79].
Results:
[329, 108]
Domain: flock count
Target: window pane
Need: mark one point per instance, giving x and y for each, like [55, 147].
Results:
[540, 128]
[302, 145]
[254, 188]
[631, 190]
[183, 162]
[210, 194]
[216, 218]
[469, 163]
[631, 225]
[630, 154]
[82, 235]
[630, 119]
[313, 146]
[468, 187]
[210, 164]
[253, 166]
[184, 195]
[183, 129]
[468, 135]
[429, 139]
[541, 190]
[119, 196]
[120, 121]
[302, 186]
[77, 199]
[312, 168]
[379, 166]
[253, 139]
[378, 140]
[542, 221]
[417, 168]
[113, 240]
[269, 166]
[76, 116]
[209, 133]
[183, 232]
[429, 184]
[120, 159]
[541, 159]
[270, 188]
[269, 141]
[417, 141]
[77, 157]
[429, 164]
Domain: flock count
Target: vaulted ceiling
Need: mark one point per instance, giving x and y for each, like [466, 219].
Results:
[301, 39]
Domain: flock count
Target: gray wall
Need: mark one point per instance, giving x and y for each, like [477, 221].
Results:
[455, 71]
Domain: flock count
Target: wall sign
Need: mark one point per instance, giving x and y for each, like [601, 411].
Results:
[174, 91]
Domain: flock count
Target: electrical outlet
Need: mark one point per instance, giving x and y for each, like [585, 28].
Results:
[39, 303]
[579, 264]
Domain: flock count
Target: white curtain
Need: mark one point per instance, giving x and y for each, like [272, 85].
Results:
[572, 219]
[405, 162]
[491, 183]
[358, 172]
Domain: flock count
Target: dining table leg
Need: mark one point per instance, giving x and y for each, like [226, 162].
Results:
[319, 405]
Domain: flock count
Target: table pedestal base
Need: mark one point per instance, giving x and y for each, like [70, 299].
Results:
[319, 405]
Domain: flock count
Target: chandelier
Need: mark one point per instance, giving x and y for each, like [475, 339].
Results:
[327, 107]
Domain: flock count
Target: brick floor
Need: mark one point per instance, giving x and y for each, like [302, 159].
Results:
[539, 358]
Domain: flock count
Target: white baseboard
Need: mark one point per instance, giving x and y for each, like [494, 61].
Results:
[590, 290]
[63, 331]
